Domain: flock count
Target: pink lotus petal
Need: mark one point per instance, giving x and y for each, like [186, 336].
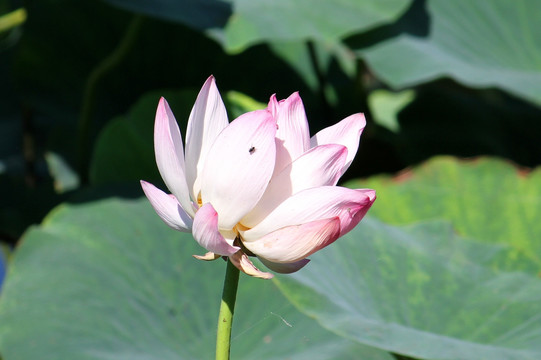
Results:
[285, 268]
[293, 135]
[244, 264]
[315, 204]
[296, 242]
[207, 119]
[167, 208]
[260, 180]
[347, 132]
[206, 233]
[239, 166]
[319, 166]
[273, 105]
[170, 155]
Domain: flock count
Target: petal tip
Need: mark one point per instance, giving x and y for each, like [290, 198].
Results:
[162, 103]
[371, 194]
[294, 96]
[209, 256]
[244, 264]
[360, 119]
[209, 83]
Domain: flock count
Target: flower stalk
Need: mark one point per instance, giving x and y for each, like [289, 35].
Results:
[227, 310]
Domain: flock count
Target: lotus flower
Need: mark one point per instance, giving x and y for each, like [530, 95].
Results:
[258, 186]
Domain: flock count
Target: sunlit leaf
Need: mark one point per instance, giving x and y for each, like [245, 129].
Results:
[65, 178]
[423, 292]
[469, 289]
[487, 199]
[482, 44]
[386, 105]
[237, 24]
[256, 21]
[108, 280]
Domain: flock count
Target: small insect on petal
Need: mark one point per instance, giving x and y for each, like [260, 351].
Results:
[280, 205]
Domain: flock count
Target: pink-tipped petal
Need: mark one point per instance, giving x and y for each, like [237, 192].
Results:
[347, 132]
[170, 155]
[296, 242]
[167, 208]
[319, 166]
[244, 264]
[293, 134]
[323, 202]
[206, 233]
[207, 119]
[273, 105]
[283, 268]
[239, 166]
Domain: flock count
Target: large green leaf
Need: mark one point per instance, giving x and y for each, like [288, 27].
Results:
[237, 24]
[484, 43]
[423, 292]
[108, 280]
[257, 21]
[486, 199]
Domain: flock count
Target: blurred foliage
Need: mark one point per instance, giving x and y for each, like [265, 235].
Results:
[80, 81]
[73, 67]
[485, 199]
[486, 43]
[106, 279]
[12, 19]
[130, 289]
[2, 264]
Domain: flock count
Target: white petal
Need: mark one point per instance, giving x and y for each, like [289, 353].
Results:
[293, 134]
[347, 132]
[167, 208]
[319, 166]
[239, 166]
[207, 119]
[315, 204]
[170, 155]
[206, 233]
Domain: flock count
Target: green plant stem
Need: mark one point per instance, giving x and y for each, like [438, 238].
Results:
[321, 79]
[227, 310]
[106, 66]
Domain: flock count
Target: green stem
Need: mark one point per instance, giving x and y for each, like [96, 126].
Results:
[321, 79]
[106, 66]
[227, 309]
